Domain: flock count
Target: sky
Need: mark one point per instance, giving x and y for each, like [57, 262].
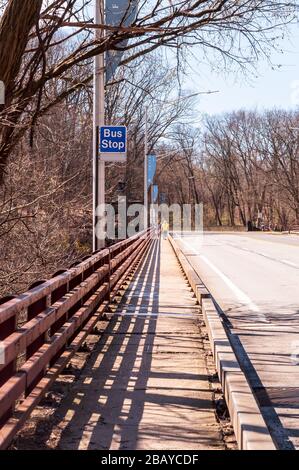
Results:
[270, 87]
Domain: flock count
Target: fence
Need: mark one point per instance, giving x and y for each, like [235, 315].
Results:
[42, 329]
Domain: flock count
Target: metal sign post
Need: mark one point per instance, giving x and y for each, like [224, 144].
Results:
[117, 12]
[2, 93]
[145, 202]
[98, 120]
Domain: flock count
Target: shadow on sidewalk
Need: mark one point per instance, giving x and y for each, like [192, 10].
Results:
[101, 403]
[105, 407]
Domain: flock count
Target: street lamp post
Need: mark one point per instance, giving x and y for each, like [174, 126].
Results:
[145, 170]
[98, 121]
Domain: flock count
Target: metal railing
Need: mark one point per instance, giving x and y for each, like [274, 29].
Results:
[42, 329]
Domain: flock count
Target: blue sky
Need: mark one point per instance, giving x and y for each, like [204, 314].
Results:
[267, 89]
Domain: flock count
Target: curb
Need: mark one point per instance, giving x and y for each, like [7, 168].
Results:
[249, 425]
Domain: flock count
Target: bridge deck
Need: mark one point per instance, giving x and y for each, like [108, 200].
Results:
[146, 384]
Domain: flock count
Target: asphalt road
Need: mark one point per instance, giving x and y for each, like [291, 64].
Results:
[254, 278]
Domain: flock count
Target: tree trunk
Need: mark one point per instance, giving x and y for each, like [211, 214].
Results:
[15, 25]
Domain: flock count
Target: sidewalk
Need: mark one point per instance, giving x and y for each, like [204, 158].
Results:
[145, 385]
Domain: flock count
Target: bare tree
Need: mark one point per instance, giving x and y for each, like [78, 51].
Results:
[31, 29]
[46, 197]
[250, 165]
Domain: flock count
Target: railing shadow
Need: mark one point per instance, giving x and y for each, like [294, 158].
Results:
[122, 400]
[120, 367]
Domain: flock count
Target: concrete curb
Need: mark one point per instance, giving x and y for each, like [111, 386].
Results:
[250, 428]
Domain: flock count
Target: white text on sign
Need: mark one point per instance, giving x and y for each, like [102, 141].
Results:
[109, 141]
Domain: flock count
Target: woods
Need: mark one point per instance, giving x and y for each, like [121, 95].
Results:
[238, 165]
[244, 167]
[46, 45]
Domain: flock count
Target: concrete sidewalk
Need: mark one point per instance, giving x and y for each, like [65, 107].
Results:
[146, 384]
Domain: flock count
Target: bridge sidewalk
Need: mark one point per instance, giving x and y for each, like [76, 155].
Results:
[146, 384]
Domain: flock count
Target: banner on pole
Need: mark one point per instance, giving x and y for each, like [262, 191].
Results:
[155, 193]
[118, 13]
[151, 169]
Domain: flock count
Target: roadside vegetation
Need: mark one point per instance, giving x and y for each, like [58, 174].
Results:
[237, 165]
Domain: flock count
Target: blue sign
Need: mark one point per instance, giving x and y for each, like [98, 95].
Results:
[151, 169]
[155, 193]
[113, 141]
[118, 13]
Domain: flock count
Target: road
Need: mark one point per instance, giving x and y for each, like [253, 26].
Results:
[254, 278]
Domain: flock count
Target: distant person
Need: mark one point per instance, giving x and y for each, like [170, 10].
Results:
[249, 226]
[165, 229]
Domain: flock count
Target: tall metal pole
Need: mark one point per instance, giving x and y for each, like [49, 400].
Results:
[145, 170]
[98, 121]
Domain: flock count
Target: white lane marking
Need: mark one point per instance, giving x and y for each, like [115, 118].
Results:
[241, 296]
[294, 265]
[264, 255]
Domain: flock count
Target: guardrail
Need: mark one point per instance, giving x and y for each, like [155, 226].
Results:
[42, 329]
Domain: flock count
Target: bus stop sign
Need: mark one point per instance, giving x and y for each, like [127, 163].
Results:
[113, 143]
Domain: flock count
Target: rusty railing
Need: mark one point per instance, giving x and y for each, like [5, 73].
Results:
[42, 329]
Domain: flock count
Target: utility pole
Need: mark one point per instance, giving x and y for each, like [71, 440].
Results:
[145, 170]
[98, 121]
